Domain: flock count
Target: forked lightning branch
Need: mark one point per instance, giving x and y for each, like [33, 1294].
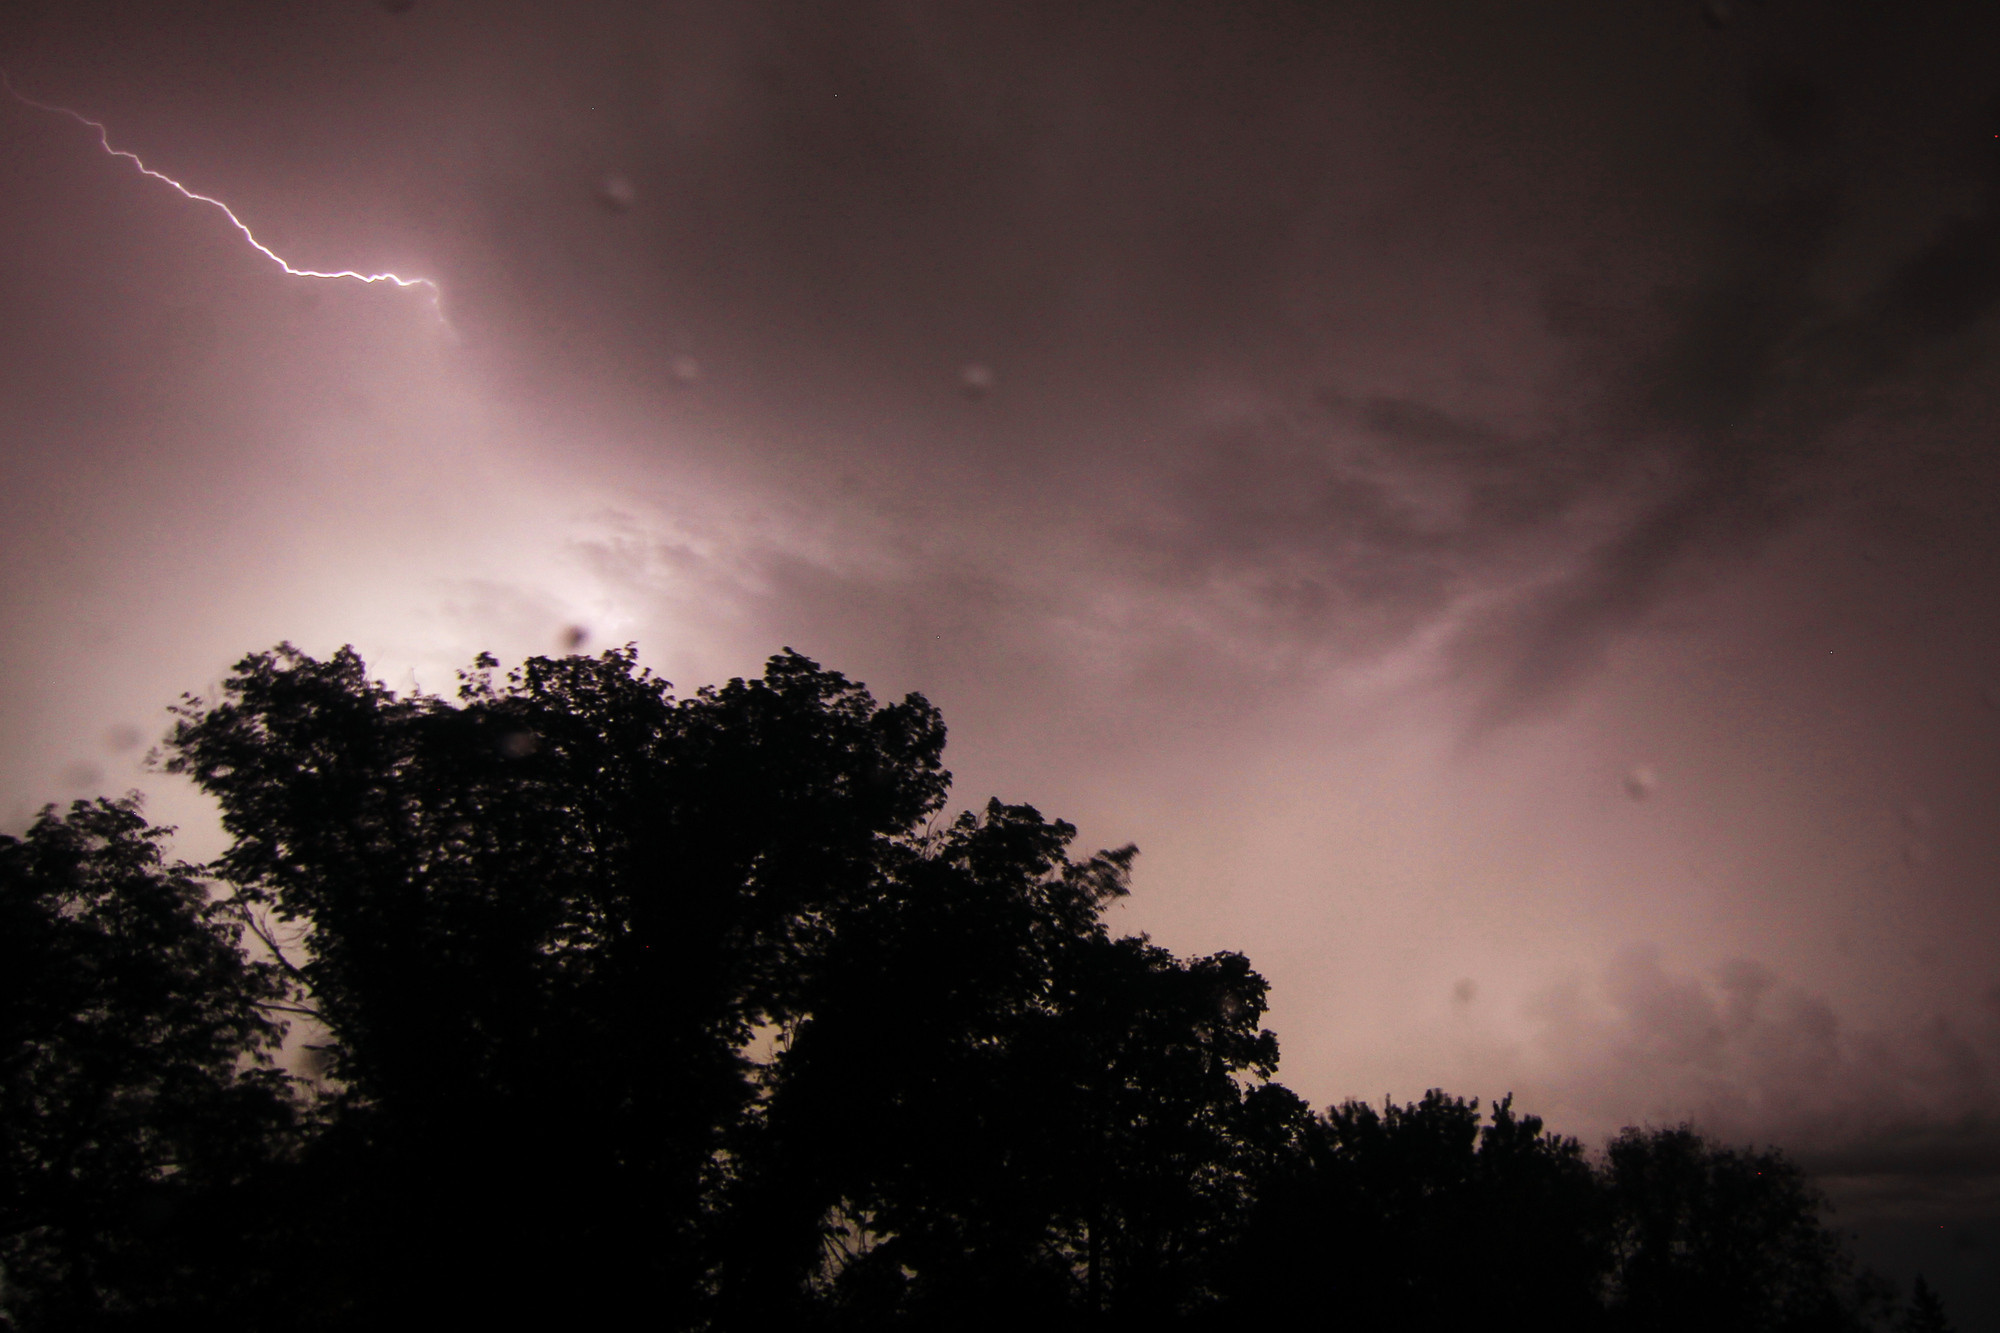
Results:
[104, 141]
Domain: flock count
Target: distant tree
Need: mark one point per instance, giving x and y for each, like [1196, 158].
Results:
[1416, 1216]
[138, 1101]
[1723, 1238]
[1925, 1313]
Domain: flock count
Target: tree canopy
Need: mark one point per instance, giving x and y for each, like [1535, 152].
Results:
[700, 1009]
[136, 1083]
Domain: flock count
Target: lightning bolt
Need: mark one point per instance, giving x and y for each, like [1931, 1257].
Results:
[104, 141]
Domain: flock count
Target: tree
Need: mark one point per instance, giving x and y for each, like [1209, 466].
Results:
[990, 1111]
[544, 922]
[691, 1009]
[1416, 1216]
[1722, 1238]
[1926, 1312]
[137, 1095]
[554, 925]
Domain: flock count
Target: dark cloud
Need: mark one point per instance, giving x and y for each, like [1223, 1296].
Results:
[1894, 1118]
[848, 207]
[831, 211]
[1752, 1057]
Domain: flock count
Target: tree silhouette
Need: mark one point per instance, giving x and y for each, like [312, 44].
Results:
[691, 1010]
[550, 920]
[136, 1088]
[1416, 1216]
[1723, 1238]
[991, 1110]
[545, 921]
[1926, 1312]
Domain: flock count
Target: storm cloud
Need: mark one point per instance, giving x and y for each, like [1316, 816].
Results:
[1466, 487]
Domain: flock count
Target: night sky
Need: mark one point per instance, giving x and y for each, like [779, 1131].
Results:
[1498, 500]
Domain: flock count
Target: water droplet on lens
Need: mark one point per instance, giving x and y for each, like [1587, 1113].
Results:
[1465, 991]
[1718, 13]
[1641, 782]
[975, 380]
[573, 637]
[399, 6]
[1916, 852]
[686, 369]
[121, 736]
[518, 744]
[82, 776]
[615, 192]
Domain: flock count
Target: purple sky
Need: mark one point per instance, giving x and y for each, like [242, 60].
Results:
[1496, 499]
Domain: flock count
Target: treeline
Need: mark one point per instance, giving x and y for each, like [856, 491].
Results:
[629, 1009]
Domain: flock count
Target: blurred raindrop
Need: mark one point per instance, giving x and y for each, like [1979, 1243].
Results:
[615, 192]
[82, 776]
[1465, 991]
[518, 744]
[1718, 13]
[573, 637]
[121, 736]
[975, 379]
[399, 6]
[1641, 782]
[686, 369]
[1916, 852]
[1990, 696]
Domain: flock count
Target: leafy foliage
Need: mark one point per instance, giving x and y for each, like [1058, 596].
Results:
[1721, 1238]
[1074, 1131]
[1419, 1216]
[545, 922]
[691, 1009]
[136, 1085]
